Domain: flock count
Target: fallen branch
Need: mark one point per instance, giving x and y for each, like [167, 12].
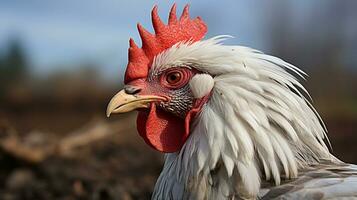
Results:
[61, 147]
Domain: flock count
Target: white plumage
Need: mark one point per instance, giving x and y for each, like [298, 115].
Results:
[257, 131]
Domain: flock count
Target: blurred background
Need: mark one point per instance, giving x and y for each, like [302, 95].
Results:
[62, 61]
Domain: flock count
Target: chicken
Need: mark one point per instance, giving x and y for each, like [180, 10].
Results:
[232, 121]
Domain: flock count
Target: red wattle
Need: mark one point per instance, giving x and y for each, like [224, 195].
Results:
[162, 130]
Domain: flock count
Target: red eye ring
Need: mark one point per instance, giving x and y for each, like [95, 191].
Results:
[175, 78]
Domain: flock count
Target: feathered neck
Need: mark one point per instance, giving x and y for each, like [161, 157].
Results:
[256, 126]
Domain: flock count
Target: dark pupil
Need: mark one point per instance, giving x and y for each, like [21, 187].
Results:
[173, 77]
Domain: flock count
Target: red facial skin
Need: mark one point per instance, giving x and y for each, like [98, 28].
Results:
[162, 130]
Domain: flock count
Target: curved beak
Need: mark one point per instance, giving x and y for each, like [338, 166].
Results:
[123, 102]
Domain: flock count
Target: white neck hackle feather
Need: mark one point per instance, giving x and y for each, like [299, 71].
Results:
[256, 125]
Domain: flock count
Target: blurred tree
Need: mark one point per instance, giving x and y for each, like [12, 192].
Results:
[13, 65]
[317, 42]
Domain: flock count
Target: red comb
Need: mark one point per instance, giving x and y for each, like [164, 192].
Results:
[177, 30]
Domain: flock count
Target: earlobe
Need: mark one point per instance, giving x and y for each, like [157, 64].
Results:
[201, 85]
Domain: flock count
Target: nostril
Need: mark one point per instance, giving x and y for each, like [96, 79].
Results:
[131, 89]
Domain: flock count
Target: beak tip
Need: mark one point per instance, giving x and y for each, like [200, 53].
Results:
[108, 113]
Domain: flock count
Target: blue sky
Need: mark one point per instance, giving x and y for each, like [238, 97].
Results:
[62, 34]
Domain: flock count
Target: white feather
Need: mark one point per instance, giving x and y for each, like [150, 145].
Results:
[256, 123]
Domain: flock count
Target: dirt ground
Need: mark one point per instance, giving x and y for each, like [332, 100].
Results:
[115, 165]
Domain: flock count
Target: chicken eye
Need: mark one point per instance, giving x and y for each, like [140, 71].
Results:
[173, 77]
[176, 78]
